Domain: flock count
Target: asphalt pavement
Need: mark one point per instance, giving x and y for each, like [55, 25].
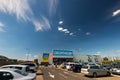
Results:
[58, 74]
[48, 73]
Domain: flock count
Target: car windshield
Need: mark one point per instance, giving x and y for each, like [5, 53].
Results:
[85, 67]
[94, 67]
[21, 72]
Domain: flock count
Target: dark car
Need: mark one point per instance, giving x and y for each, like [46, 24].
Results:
[77, 68]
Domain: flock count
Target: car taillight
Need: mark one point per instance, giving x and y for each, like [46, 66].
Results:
[88, 70]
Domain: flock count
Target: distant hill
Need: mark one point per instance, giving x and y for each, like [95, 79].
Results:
[3, 57]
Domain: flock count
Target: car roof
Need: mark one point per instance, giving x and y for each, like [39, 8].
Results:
[71, 63]
[15, 65]
[7, 69]
[28, 63]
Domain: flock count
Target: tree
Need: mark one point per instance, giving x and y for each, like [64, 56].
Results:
[105, 59]
[36, 60]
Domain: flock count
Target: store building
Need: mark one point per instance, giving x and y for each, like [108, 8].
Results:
[87, 58]
[43, 58]
[60, 56]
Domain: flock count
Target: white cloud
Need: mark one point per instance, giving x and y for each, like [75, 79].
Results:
[46, 23]
[52, 6]
[71, 34]
[38, 26]
[1, 27]
[1, 24]
[98, 53]
[118, 51]
[20, 8]
[60, 28]
[35, 56]
[65, 30]
[116, 12]
[87, 33]
[41, 25]
[60, 22]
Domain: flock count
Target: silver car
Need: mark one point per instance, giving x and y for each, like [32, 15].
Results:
[93, 70]
[23, 68]
[116, 70]
[15, 74]
[32, 66]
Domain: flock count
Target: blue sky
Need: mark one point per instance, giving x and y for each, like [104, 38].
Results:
[35, 26]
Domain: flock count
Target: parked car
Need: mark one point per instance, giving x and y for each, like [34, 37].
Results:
[63, 65]
[32, 66]
[24, 68]
[15, 74]
[116, 70]
[77, 68]
[108, 67]
[93, 70]
[70, 65]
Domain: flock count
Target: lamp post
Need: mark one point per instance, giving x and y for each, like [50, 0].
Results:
[28, 54]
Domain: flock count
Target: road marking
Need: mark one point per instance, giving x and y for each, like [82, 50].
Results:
[63, 75]
[52, 76]
[115, 75]
[69, 74]
[65, 72]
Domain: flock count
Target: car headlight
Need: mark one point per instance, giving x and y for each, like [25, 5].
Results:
[118, 71]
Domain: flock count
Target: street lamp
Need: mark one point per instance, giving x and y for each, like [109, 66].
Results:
[28, 54]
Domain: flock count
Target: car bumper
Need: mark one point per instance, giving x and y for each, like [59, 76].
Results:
[86, 73]
[114, 72]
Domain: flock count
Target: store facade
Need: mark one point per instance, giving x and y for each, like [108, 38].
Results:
[60, 56]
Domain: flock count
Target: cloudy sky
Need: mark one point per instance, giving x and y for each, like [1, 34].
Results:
[35, 26]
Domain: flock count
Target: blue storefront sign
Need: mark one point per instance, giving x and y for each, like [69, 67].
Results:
[63, 53]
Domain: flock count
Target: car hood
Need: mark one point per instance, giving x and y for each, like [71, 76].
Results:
[30, 76]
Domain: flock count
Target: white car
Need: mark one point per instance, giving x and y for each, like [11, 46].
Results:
[32, 66]
[116, 70]
[24, 68]
[69, 65]
[15, 74]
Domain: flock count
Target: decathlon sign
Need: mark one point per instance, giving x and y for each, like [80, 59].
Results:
[62, 53]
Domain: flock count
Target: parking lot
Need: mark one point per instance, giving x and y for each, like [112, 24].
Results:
[48, 73]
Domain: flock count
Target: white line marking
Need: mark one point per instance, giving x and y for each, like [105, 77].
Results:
[65, 72]
[115, 75]
[63, 75]
[70, 74]
[52, 76]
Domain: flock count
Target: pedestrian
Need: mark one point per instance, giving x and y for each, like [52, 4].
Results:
[56, 65]
[52, 66]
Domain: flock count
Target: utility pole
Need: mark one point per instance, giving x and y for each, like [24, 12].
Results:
[28, 53]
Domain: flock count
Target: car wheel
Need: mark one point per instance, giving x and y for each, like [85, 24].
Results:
[108, 74]
[94, 74]
[78, 70]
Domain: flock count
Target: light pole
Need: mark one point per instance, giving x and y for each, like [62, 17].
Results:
[28, 54]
